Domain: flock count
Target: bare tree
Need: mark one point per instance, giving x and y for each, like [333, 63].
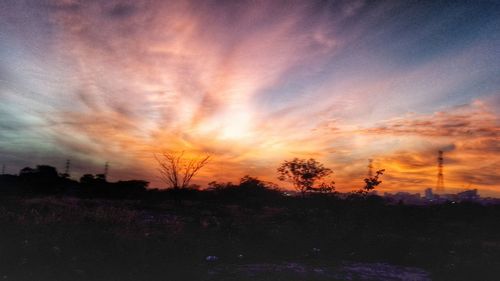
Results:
[176, 170]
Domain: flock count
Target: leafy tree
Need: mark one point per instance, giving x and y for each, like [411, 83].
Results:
[252, 183]
[87, 179]
[26, 172]
[100, 178]
[214, 185]
[302, 173]
[177, 170]
[44, 179]
[130, 187]
[325, 187]
[250, 192]
[372, 182]
[47, 172]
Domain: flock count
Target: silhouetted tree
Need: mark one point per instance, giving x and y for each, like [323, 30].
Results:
[26, 171]
[47, 172]
[128, 189]
[372, 182]
[100, 177]
[87, 179]
[324, 187]
[44, 179]
[213, 185]
[136, 185]
[251, 182]
[98, 186]
[177, 170]
[302, 173]
[250, 192]
[252, 185]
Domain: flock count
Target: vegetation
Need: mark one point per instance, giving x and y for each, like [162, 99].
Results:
[372, 182]
[177, 170]
[304, 174]
[69, 238]
[55, 228]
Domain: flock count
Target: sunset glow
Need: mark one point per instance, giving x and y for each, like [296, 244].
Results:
[253, 83]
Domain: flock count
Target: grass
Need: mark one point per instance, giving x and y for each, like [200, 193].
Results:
[51, 238]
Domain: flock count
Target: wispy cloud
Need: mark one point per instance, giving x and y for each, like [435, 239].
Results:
[407, 147]
[253, 83]
[463, 122]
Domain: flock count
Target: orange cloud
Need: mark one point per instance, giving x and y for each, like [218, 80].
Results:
[253, 84]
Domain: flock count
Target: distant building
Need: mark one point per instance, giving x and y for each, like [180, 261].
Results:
[429, 197]
[428, 194]
[449, 197]
[468, 195]
[404, 197]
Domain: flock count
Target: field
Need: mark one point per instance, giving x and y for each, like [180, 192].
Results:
[64, 238]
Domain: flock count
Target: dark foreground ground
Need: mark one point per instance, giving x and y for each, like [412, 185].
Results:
[93, 239]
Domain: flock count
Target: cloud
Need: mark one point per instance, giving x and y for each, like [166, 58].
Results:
[181, 67]
[407, 148]
[250, 82]
[122, 10]
[469, 121]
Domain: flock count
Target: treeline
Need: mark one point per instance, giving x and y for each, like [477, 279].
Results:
[45, 180]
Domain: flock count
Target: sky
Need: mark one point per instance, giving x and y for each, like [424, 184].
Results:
[254, 83]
